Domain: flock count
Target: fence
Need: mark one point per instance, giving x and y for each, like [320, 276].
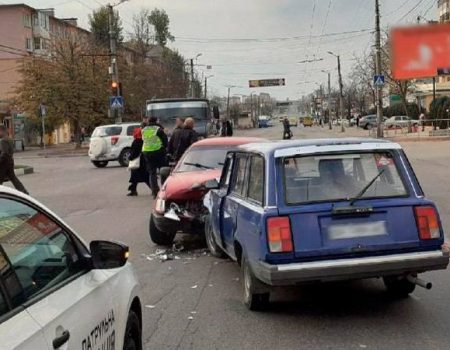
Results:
[430, 128]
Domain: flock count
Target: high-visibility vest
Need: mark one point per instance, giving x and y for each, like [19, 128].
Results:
[152, 142]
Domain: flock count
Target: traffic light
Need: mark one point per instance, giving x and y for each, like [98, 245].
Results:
[114, 88]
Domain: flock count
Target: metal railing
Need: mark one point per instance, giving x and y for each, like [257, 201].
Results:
[427, 128]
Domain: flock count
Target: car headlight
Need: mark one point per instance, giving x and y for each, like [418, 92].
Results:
[160, 205]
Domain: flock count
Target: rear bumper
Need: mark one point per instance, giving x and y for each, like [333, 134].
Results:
[347, 269]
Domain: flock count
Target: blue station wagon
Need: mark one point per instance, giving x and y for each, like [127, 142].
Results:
[323, 210]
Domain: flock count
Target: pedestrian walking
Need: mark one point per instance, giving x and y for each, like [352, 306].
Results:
[154, 151]
[422, 121]
[287, 133]
[187, 137]
[7, 161]
[174, 140]
[139, 175]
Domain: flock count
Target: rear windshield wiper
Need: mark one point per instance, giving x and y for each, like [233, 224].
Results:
[364, 190]
[198, 165]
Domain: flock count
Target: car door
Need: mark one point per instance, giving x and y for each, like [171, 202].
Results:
[27, 334]
[250, 214]
[230, 203]
[217, 197]
[70, 303]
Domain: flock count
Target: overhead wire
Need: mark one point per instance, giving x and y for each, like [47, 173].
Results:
[409, 12]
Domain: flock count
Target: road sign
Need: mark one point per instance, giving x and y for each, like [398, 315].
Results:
[266, 82]
[116, 102]
[378, 80]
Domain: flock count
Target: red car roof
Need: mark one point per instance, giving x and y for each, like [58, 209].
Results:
[227, 141]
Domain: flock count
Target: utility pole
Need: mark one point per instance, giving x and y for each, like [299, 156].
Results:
[228, 103]
[329, 100]
[114, 67]
[192, 78]
[206, 87]
[341, 94]
[378, 70]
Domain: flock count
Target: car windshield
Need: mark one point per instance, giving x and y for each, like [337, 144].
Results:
[107, 131]
[201, 158]
[168, 112]
[341, 177]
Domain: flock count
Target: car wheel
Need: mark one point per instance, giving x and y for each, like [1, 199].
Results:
[398, 286]
[159, 237]
[133, 337]
[100, 164]
[211, 240]
[369, 126]
[256, 295]
[124, 157]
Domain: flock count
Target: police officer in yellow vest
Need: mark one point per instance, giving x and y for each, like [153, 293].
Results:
[154, 151]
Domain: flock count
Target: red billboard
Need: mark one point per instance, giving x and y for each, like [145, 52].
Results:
[418, 52]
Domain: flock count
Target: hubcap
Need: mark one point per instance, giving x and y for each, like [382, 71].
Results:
[246, 283]
[210, 240]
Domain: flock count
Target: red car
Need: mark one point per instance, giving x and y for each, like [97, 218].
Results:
[179, 205]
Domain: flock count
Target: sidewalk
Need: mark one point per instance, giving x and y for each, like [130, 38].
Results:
[61, 150]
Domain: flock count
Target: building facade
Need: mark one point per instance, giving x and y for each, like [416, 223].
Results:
[444, 11]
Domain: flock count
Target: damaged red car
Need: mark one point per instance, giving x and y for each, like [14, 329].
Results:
[179, 205]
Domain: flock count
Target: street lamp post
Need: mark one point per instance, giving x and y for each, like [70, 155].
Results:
[329, 98]
[206, 85]
[341, 95]
[251, 108]
[192, 74]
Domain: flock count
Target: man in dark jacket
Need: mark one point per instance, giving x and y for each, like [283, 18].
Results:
[287, 134]
[154, 151]
[187, 137]
[7, 161]
[174, 140]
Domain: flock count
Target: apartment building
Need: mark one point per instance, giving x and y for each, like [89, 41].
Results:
[444, 11]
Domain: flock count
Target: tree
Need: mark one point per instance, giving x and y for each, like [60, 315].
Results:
[99, 24]
[160, 20]
[70, 83]
[142, 37]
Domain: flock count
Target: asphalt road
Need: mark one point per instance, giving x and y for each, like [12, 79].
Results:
[194, 301]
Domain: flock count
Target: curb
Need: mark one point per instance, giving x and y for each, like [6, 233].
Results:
[23, 170]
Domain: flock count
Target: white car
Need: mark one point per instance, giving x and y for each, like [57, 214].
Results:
[400, 122]
[111, 143]
[55, 292]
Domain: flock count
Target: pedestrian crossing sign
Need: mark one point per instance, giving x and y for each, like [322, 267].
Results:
[378, 80]
[116, 102]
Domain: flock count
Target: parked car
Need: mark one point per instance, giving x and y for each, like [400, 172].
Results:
[293, 121]
[323, 210]
[369, 122]
[56, 291]
[307, 121]
[263, 121]
[111, 143]
[179, 205]
[400, 122]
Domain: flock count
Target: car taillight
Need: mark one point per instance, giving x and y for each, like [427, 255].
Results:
[279, 235]
[427, 222]
[114, 140]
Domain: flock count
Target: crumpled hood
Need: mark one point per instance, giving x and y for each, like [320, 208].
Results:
[179, 185]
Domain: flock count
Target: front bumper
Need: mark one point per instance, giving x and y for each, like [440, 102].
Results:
[186, 225]
[347, 269]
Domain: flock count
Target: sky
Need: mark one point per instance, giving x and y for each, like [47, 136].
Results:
[264, 39]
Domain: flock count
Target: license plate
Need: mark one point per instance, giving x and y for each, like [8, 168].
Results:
[346, 231]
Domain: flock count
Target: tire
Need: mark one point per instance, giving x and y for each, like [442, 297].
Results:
[100, 163]
[124, 157]
[159, 237]
[398, 286]
[211, 243]
[256, 294]
[133, 336]
[369, 127]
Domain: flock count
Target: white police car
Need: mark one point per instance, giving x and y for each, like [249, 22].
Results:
[55, 293]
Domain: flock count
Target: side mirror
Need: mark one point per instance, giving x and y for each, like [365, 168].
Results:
[164, 172]
[212, 184]
[108, 255]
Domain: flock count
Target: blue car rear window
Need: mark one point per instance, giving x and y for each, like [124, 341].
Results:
[341, 176]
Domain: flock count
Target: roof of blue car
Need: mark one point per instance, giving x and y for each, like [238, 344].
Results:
[270, 147]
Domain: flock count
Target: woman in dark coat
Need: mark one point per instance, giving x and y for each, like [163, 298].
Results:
[141, 174]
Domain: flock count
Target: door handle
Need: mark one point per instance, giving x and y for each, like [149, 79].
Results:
[61, 340]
